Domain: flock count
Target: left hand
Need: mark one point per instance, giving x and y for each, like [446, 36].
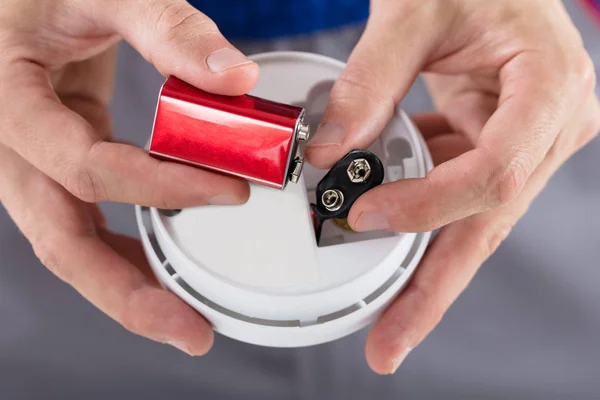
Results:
[514, 88]
[58, 156]
[71, 236]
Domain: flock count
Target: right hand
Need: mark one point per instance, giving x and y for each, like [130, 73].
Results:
[58, 157]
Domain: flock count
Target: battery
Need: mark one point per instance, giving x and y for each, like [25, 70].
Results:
[244, 136]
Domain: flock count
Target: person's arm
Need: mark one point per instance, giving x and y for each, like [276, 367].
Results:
[58, 157]
[514, 90]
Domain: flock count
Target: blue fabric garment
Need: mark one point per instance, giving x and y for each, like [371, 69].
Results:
[261, 19]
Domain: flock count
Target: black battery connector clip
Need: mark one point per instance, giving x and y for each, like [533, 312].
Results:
[356, 173]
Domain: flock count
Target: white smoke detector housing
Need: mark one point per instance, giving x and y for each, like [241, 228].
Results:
[255, 271]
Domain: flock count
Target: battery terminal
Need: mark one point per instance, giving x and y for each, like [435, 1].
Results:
[332, 199]
[359, 170]
[303, 132]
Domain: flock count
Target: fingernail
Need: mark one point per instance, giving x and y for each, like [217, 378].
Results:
[372, 221]
[223, 59]
[396, 362]
[182, 346]
[224, 200]
[329, 133]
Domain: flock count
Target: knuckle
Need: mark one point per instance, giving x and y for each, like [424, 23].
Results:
[585, 72]
[429, 212]
[361, 80]
[560, 149]
[128, 315]
[571, 67]
[569, 142]
[432, 308]
[49, 253]
[589, 133]
[164, 199]
[495, 236]
[506, 182]
[129, 321]
[430, 217]
[424, 214]
[179, 20]
[83, 183]
[11, 44]
[165, 202]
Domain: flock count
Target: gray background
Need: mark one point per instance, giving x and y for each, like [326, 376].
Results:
[527, 327]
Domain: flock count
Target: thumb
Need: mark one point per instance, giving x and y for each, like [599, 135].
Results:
[181, 41]
[380, 71]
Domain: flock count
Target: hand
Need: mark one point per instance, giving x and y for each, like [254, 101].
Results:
[514, 89]
[58, 156]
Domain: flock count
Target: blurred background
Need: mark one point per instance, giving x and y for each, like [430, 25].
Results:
[527, 327]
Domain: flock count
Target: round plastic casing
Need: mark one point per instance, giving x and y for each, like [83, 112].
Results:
[255, 271]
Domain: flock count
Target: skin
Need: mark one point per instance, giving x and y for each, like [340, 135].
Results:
[514, 92]
[58, 157]
[511, 81]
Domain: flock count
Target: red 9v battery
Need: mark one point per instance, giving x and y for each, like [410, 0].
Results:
[243, 136]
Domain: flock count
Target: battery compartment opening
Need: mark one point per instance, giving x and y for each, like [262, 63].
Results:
[394, 147]
[394, 152]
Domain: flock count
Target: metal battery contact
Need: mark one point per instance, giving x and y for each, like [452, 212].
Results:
[301, 135]
[359, 170]
[332, 199]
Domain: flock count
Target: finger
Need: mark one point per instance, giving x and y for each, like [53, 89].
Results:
[380, 70]
[432, 124]
[74, 80]
[455, 256]
[536, 102]
[98, 218]
[587, 127]
[130, 249]
[146, 316]
[89, 98]
[180, 41]
[126, 293]
[446, 147]
[442, 143]
[466, 104]
[65, 239]
[65, 146]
